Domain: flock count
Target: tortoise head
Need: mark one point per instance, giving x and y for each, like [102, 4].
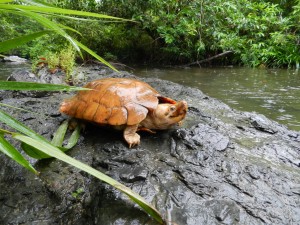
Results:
[166, 115]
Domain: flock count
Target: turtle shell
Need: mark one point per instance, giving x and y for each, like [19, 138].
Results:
[114, 101]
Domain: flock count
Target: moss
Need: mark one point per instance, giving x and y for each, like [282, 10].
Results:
[64, 60]
[67, 60]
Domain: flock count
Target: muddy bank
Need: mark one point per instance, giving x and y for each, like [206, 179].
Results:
[222, 167]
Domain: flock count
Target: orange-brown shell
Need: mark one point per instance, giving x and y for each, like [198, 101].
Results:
[114, 101]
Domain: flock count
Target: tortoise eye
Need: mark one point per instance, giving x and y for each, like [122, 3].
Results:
[172, 108]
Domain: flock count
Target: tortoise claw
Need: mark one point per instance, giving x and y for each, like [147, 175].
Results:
[133, 140]
[130, 135]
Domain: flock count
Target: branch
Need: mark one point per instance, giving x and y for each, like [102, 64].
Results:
[209, 59]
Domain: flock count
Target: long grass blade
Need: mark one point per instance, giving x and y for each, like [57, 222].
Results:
[51, 25]
[31, 151]
[73, 138]
[34, 152]
[92, 53]
[15, 42]
[14, 154]
[13, 123]
[83, 19]
[69, 28]
[54, 152]
[5, 1]
[32, 86]
[58, 11]
[17, 125]
[59, 135]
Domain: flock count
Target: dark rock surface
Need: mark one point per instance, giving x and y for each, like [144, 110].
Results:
[222, 167]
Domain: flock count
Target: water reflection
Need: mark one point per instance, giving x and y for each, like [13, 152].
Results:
[273, 92]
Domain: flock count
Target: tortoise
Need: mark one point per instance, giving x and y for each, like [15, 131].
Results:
[130, 104]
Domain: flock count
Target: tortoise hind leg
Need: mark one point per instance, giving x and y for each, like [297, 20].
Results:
[130, 135]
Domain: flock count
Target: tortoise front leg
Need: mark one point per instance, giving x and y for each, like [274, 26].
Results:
[131, 136]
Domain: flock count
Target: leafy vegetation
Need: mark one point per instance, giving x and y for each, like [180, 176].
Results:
[43, 15]
[64, 59]
[257, 32]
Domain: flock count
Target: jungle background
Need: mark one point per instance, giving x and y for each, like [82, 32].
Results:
[172, 32]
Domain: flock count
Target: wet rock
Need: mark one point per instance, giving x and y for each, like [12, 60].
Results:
[54, 78]
[222, 167]
[261, 123]
[23, 76]
[132, 175]
[225, 211]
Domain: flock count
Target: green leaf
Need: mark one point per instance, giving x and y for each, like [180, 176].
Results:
[13, 43]
[51, 25]
[5, 1]
[69, 28]
[33, 152]
[56, 141]
[29, 11]
[54, 152]
[83, 19]
[59, 11]
[13, 153]
[59, 135]
[92, 53]
[74, 138]
[32, 86]
[12, 122]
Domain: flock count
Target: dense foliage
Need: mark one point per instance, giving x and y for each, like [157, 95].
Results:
[258, 32]
[171, 31]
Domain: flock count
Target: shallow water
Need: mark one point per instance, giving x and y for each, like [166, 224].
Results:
[272, 92]
[7, 68]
